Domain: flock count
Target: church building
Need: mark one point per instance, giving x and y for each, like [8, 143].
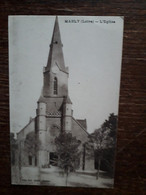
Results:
[54, 112]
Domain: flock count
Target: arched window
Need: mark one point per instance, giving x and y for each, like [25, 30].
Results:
[30, 160]
[55, 86]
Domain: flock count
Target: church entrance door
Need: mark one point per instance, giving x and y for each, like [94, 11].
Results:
[53, 159]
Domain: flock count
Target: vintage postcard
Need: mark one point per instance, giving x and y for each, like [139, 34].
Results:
[64, 91]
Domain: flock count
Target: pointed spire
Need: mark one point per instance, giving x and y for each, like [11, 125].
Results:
[56, 53]
[56, 38]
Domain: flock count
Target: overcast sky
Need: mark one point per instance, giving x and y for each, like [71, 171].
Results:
[92, 51]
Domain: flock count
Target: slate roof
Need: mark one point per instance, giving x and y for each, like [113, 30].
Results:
[83, 123]
[56, 53]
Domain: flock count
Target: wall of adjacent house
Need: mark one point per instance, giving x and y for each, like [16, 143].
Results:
[82, 135]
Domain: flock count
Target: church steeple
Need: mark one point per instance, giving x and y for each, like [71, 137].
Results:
[56, 38]
[55, 73]
[56, 53]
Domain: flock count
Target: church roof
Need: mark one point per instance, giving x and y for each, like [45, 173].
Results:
[56, 53]
[42, 99]
[83, 123]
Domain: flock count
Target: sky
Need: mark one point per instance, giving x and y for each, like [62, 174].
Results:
[92, 48]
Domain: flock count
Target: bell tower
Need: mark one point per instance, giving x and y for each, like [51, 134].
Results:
[55, 73]
[54, 105]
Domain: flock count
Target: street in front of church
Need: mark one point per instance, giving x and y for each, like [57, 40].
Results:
[53, 176]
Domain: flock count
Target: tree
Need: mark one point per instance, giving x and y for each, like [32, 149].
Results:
[67, 150]
[109, 152]
[102, 143]
[31, 143]
[14, 159]
[111, 124]
[99, 142]
[14, 147]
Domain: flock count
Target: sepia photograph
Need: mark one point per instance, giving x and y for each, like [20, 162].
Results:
[64, 78]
